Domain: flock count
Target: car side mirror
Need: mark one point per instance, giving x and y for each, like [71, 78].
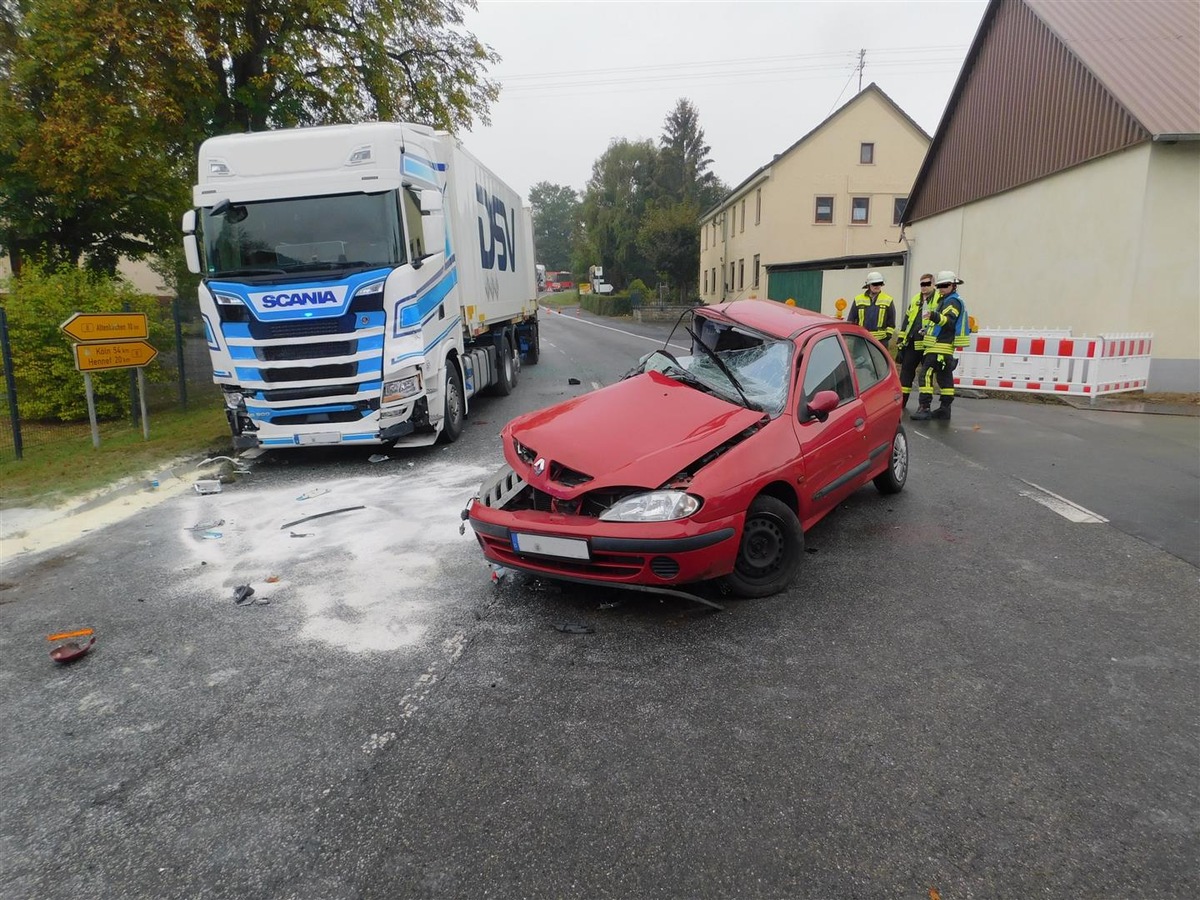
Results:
[820, 406]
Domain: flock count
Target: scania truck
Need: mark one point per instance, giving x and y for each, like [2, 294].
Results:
[360, 283]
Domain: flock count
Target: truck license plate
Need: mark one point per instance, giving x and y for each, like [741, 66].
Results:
[320, 437]
[567, 548]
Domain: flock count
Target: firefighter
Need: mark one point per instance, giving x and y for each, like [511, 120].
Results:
[909, 345]
[945, 318]
[873, 309]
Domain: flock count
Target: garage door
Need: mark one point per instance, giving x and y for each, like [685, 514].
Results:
[803, 287]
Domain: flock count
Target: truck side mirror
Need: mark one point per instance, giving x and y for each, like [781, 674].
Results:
[191, 249]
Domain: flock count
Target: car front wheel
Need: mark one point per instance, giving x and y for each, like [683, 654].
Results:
[770, 552]
[892, 480]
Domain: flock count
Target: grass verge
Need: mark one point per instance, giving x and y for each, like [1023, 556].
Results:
[68, 467]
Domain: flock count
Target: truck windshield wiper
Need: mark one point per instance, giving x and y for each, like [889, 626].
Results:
[746, 401]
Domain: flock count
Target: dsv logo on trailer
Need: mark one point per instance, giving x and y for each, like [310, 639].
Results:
[497, 232]
[299, 299]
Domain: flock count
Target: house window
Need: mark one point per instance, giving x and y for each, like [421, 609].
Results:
[732, 219]
[742, 270]
[898, 205]
[866, 154]
[758, 206]
[706, 281]
[732, 274]
[743, 228]
[860, 211]
[824, 211]
[705, 239]
[756, 270]
[714, 279]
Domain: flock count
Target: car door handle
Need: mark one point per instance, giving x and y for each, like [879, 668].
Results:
[858, 423]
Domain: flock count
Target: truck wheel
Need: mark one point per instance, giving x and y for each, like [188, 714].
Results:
[507, 363]
[452, 418]
[535, 349]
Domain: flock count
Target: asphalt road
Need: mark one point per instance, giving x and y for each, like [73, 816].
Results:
[967, 692]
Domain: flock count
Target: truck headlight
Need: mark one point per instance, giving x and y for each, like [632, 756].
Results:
[233, 399]
[407, 385]
[654, 506]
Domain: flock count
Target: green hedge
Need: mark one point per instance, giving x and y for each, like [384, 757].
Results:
[606, 304]
[48, 385]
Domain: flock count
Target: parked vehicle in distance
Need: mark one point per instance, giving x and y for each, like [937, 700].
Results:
[700, 467]
[541, 276]
[361, 283]
[560, 281]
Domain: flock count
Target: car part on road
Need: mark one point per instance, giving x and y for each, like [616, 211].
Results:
[574, 628]
[332, 512]
[242, 594]
[378, 457]
[315, 492]
[71, 650]
[207, 486]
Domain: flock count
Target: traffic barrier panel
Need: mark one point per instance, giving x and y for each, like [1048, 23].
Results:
[1054, 363]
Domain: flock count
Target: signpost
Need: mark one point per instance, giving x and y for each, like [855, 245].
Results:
[110, 341]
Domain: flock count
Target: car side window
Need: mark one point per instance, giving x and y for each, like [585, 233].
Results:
[827, 370]
[870, 365]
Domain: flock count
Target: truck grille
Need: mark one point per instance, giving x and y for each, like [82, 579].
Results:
[310, 373]
[307, 351]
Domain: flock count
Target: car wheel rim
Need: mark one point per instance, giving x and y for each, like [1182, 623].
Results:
[900, 457]
[762, 547]
[454, 400]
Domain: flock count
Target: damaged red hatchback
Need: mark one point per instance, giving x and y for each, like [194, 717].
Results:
[705, 466]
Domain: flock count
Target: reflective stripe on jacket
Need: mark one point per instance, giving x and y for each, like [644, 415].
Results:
[944, 320]
[878, 316]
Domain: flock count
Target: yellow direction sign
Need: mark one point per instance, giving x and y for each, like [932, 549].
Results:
[121, 326]
[113, 355]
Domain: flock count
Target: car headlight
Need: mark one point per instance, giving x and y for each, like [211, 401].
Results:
[654, 506]
[233, 399]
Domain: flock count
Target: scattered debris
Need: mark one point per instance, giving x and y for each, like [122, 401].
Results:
[811, 549]
[331, 512]
[242, 594]
[574, 628]
[378, 457]
[71, 650]
[153, 483]
[207, 526]
[611, 605]
[301, 534]
[272, 579]
[574, 381]
[263, 601]
[315, 492]
[207, 486]
[212, 535]
[498, 572]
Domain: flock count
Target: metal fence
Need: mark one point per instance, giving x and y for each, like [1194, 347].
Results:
[180, 375]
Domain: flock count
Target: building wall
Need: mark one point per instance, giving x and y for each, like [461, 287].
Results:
[1109, 246]
[139, 274]
[826, 164]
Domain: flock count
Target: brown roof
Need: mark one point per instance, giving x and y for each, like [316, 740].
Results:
[1146, 53]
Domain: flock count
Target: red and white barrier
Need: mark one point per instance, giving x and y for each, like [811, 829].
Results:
[1054, 363]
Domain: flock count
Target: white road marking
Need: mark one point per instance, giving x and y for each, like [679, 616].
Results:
[1061, 505]
[640, 337]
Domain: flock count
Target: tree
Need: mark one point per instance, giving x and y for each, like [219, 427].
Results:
[555, 214]
[614, 201]
[684, 174]
[104, 101]
[670, 239]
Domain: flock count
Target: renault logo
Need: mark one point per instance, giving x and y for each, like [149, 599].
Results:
[539, 465]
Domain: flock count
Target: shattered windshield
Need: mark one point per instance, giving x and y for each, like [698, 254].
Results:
[760, 366]
[334, 234]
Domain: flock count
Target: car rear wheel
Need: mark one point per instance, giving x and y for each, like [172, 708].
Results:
[892, 480]
[770, 552]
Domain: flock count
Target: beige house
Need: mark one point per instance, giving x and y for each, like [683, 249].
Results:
[838, 192]
[1063, 184]
[136, 272]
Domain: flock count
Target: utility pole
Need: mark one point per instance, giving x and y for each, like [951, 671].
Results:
[862, 57]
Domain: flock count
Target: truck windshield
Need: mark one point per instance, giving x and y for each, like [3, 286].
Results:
[305, 234]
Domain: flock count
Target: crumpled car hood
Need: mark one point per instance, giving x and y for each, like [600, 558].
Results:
[636, 433]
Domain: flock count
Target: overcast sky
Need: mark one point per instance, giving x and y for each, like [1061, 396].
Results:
[762, 73]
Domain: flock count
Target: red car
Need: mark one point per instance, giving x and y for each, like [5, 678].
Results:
[707, 466]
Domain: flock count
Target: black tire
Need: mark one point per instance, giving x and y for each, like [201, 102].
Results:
[892, 480]
[771, 550]
[506, 362]
[535, 348]
[455, 407]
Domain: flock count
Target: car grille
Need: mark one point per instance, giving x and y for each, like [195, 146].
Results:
[664, 567]
[602, 565]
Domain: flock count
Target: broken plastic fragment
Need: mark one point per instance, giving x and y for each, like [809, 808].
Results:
[498, 572]
[574, 381]
[378, 457]
[315, 492]
[242, 593]
[574, 628]
[207, 486]
[212, 535]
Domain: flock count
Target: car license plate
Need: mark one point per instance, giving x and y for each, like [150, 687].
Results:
[568, 548]
[321, 437]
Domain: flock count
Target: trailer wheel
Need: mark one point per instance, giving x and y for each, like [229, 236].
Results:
[455, 411]
[535, 349]
[508, 367]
